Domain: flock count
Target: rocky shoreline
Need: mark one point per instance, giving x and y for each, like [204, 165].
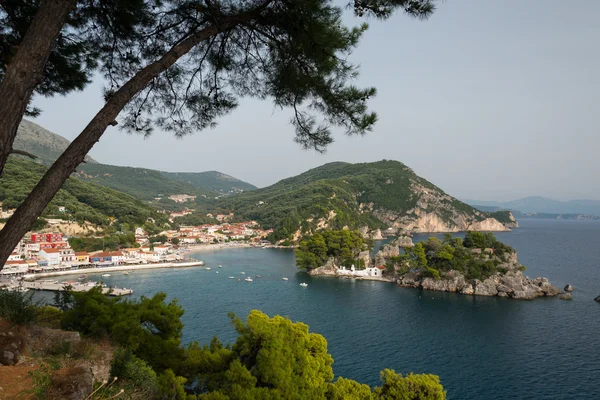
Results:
[510, 282]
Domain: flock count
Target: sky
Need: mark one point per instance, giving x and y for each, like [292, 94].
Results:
[489, 100]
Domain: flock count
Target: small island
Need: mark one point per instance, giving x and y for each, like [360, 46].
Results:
[478, 265]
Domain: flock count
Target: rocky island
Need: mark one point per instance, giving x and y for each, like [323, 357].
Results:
[478, 265]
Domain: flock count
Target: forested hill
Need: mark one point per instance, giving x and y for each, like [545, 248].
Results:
[211, 180]
[83, 201]
[384, 194]
[143, 183]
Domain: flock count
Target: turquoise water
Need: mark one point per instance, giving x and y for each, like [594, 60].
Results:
[482, 348]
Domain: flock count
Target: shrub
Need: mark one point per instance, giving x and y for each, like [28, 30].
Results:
[135, 371]
[17, 307]
[171, 386]
[48, 316]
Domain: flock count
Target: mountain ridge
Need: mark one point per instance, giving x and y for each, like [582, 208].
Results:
[379, 195]
[48, 146]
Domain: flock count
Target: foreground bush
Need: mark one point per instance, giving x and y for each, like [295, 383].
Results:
[17, 307]
[272, 358]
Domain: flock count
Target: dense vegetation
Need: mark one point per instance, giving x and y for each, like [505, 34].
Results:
[211, 180]
[503, 216]
[83, 201]
[145, 184]
[433, 257]
[110, 242]
[272, 358]
[343, 246]
[340, 187]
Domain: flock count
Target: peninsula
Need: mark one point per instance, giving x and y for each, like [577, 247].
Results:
[478, 265]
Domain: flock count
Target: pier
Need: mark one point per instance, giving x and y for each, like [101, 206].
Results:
[56, 286]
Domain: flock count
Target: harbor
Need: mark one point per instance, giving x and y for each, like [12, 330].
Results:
[79, 271]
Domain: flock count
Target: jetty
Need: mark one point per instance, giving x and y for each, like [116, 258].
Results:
[55, 286]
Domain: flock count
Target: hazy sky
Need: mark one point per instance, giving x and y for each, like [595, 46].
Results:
[491, 100]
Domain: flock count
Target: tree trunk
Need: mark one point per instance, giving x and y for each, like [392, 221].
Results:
[26, 70]
[28, 212]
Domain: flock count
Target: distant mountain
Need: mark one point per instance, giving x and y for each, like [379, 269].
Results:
[145, 184]
[538, 204]
[142, 183]
[211, 180]
[385, 195]
[42, 143]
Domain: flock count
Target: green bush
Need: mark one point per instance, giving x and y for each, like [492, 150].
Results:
[48, 316]
[126, 366]
[170, 386]
[17, 307]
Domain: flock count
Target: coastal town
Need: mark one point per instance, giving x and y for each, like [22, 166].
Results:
[52, 252]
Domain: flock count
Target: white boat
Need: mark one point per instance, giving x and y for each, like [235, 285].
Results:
[232, 277]
[258, 276]
[201, 263]
[243, 273]
[284, 279]
[125, 272]
[303, 284]
[248, 279]
[207, 268]
[220, 266]
[105, 275]
[217, 272]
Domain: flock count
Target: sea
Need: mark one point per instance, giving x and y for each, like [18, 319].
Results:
[482, 348]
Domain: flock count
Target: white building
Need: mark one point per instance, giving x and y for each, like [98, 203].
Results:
[51, 256]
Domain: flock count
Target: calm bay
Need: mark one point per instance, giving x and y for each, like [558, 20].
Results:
[482, 348]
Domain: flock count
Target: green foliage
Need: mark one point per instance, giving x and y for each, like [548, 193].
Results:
[193, 220]
[503, 216]
[347, 389]
[158, 239]
[170, 386]
[111, 242]
[210, 180]
[126, 366]
[83, 201]
[150, 328]
[343, 245]
[411, 387]
[17, 307]
[480, 240]
[142, 183]
[48, 316]
[433, 257]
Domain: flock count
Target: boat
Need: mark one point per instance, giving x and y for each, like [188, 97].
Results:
[201, 263]
[207, 268]
[217, 272]
[232, 277]
[125, 272]
[284, 279]
[248, 279]
[220, 266]
[105, 275]
[258, 276]
[304, 284]
[243, 273]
